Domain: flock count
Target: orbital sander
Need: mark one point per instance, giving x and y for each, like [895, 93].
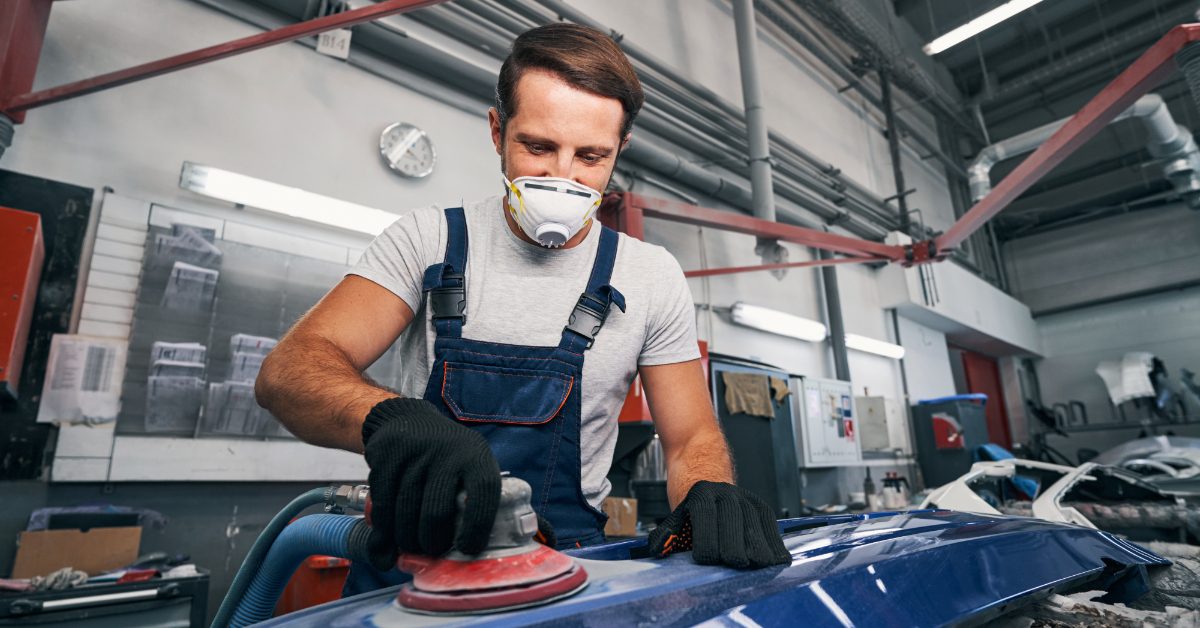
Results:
[515, 571]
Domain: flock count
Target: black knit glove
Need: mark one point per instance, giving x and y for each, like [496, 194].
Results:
[420, 460]
[722, 524]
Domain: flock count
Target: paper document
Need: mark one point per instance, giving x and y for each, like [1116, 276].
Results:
[181, 351]
[190, 288]
[83, 380]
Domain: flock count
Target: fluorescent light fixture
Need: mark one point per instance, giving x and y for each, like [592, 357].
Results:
[871, 345]
[281, 199]
[777, 322]
[978, 25]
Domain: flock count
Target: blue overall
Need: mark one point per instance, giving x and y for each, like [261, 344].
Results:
[526, 401]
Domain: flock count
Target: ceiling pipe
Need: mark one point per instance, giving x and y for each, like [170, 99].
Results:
[713, 107]
[759, 157]
[1099, 58]
[1167, 141]
[857, 26]
[756, 121]
[1049, 17]
[395, 46]
[670, 165]
[893, 137]
[833, 312]
[782, 17]
[677, 103]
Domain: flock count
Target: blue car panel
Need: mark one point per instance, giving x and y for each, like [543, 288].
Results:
[921, 568]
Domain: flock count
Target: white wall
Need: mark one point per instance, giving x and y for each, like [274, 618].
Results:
[863, 315]
[284, 113]
[975, 314]
[1076, 266]
[926, 361]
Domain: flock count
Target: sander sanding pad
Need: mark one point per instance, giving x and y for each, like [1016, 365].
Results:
[502, 581]
[493, 600]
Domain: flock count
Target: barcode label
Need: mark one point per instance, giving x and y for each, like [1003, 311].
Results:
[63, 377]
[97, 369]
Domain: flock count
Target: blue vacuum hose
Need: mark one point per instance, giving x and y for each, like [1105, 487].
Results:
[342, 536]
[254, 558]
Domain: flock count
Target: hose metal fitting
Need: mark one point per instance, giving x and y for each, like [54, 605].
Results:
[344, 497]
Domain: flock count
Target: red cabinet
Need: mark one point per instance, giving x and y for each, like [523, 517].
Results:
[21, 254]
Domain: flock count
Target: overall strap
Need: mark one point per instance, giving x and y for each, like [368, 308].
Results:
[445, 283]
[592, 309]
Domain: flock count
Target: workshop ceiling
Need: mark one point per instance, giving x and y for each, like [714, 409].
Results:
[1037, 67]
[1044, 64]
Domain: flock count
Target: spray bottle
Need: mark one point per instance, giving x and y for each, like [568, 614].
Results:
[869, 494]
[895, 491]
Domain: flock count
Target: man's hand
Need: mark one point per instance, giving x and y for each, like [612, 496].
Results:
[723, 525]
[420, 460]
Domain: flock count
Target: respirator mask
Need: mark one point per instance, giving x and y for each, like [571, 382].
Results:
[550, 210]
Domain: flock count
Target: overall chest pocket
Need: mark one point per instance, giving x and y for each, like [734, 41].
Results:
[495, 394]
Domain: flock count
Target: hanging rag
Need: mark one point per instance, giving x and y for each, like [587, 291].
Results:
[780, 389]
[748, 393]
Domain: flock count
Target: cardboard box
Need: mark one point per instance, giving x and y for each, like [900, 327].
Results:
[622, 516]
[94, 551]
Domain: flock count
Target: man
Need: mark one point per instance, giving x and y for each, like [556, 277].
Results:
[531, 321]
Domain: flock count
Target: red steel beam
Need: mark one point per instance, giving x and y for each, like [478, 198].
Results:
[16, 104]
[731, 270]
[616, 213]
[1147, 72]
[625, 212]
[741, 223]
[22, 30]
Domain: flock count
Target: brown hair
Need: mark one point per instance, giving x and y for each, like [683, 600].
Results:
[582, 56]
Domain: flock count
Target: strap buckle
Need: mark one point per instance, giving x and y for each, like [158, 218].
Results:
[588, 317]
[450, 299]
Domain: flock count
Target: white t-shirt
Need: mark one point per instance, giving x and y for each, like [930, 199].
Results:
[523, 294]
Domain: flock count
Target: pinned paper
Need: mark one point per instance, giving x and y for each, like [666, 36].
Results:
[83, 380]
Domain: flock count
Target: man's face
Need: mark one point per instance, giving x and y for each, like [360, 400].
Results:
[559, 131]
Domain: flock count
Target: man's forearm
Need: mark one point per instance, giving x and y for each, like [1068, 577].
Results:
[313, 388]
[704, 457]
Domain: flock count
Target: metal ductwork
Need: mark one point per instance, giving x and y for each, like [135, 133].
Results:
[1098, 59]
[721, 124]
[688, 115]
[1167, 141]
[877, 45]
[697, 121]
[670, 165]
[785, 17]
[1188, 61]
[756, 121]
[757, 134]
